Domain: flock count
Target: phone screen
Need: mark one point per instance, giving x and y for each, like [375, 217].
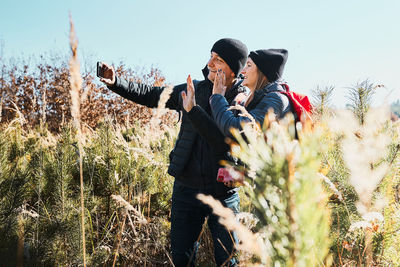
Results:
[100, 71]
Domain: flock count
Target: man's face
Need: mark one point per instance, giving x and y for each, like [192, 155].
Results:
[214, 64]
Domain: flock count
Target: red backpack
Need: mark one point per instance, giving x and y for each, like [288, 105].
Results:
[300, 103]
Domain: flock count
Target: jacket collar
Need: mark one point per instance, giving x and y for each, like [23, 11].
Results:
[205, 72]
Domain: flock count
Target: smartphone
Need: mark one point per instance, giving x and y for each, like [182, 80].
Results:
[100, 71]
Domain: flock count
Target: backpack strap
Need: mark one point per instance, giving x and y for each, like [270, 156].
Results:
[286, 86]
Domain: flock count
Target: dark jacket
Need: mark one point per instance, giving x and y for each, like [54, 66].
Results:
[267, 98]
[193, 161]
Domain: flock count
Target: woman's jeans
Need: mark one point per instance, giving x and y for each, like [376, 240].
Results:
[187, 218]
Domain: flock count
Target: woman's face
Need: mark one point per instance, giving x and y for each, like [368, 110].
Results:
[250, 73]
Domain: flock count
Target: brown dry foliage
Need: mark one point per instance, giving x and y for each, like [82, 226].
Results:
[41, 92]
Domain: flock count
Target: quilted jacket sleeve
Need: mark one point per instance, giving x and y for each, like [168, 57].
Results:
[208, 129]
[226, 120]
[147, 95]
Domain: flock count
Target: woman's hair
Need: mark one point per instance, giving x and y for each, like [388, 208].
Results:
[262, 80]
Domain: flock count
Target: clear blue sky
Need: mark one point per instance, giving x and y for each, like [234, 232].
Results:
[335, 43]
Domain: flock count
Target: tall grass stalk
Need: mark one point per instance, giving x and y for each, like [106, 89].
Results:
[125, 214]
[44, 105]
[1, 103]
[1, 82]
[76, 84]
[249, 242]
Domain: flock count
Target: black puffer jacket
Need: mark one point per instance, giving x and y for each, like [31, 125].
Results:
[193, 161]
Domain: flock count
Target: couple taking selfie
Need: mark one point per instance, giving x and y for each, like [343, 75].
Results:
[210, 110]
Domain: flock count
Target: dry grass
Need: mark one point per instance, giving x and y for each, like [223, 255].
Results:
[248, 241]
[76, 85]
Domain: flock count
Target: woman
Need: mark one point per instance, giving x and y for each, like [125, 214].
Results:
[262, 73]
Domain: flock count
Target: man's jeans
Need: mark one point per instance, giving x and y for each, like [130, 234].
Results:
[187, 218]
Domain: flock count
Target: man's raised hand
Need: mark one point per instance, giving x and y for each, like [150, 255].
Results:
[109, 74]
[189, 99]
[219, 83]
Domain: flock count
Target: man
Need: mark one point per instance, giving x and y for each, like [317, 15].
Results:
[193, 162]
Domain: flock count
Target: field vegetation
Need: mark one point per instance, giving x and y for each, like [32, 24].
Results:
[83, 176]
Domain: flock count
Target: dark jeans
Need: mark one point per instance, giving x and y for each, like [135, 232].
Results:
[187, 218]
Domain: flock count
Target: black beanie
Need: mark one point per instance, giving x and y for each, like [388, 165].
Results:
[270, 62]
[233, 51]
